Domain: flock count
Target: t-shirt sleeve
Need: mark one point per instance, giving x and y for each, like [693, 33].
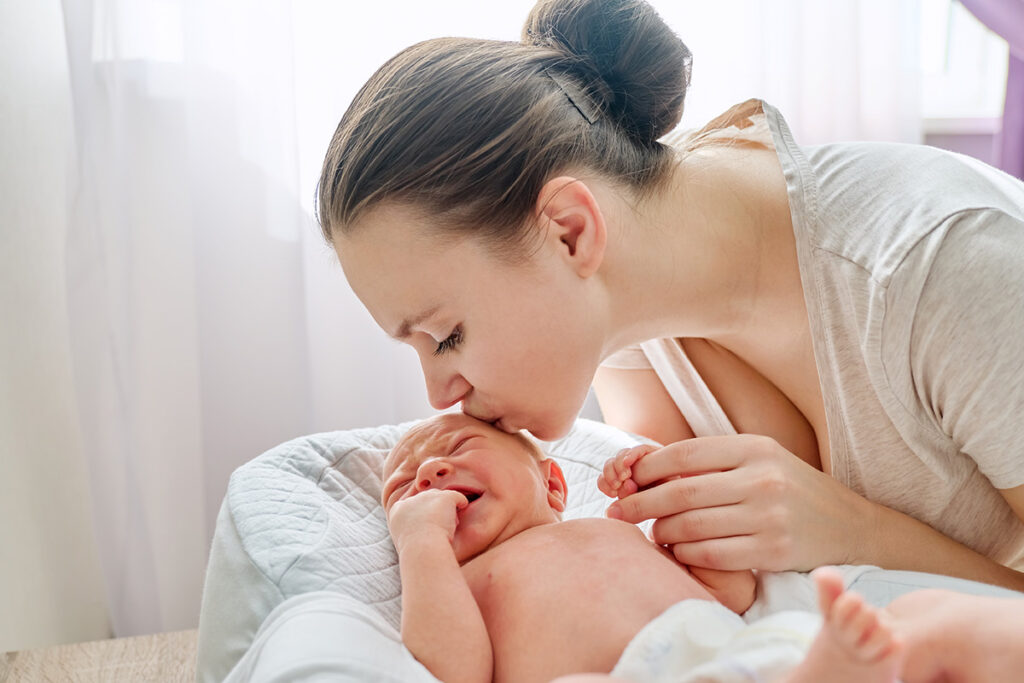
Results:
[629, 358]
[967, 344]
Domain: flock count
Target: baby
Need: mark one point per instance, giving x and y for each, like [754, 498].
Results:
[496, 587]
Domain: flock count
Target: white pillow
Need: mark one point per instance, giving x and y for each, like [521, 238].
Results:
[305, 516]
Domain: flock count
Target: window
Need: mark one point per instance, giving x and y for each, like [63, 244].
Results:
[964, 71]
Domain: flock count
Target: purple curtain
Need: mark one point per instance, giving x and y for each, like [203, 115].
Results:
[1006, 18]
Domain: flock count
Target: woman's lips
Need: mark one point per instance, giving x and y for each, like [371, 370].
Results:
[504, 425]
[490, 418]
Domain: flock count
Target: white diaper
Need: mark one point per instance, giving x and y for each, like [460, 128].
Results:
[700, 640]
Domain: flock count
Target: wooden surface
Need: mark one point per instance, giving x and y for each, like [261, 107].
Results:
[164, 657]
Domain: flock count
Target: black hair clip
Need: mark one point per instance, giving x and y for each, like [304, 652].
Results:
[581, 102]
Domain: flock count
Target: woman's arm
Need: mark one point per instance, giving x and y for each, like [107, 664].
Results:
[894, 540]
[1015, 498]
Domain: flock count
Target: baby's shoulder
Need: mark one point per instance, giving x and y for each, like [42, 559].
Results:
[573, 533]
[582, 534]
[560, 544]
[599, 526]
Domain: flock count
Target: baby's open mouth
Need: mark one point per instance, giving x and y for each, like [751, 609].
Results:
[470, 494]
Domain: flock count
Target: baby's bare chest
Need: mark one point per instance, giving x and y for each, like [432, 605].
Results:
[568, 597]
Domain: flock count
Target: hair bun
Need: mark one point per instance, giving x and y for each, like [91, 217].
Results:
[631, 63]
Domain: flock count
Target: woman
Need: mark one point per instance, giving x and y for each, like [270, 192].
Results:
[853, 311]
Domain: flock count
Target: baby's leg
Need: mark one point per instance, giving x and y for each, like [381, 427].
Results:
[854, 644]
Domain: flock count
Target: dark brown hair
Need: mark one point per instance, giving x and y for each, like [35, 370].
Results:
[468, 131]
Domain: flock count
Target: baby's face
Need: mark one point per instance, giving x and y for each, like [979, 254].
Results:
[509, 485]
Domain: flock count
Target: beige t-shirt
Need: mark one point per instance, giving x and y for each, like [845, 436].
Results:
[912, 262]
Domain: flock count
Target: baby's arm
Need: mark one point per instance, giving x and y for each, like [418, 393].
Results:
[734, 589]
[441, 623]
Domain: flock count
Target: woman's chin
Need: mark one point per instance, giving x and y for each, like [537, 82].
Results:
[550, 430]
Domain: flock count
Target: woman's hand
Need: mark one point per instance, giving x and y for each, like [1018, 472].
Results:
[743, 501]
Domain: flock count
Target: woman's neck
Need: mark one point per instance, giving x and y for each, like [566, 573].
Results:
[711, 254]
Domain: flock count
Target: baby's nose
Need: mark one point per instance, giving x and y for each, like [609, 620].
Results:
[431, 473]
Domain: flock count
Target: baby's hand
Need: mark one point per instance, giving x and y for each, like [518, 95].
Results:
[616, 480]
[427, 511]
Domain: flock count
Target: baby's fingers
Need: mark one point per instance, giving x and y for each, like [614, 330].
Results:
[627, 488]
[617, 475]
[626, 458]
[608, 481]
[630, 456]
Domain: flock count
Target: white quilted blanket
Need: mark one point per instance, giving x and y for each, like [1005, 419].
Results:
[305, 517]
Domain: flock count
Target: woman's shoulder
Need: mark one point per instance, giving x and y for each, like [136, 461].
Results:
[744, 124]
[873, 203]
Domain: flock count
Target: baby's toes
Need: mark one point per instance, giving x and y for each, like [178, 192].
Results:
[845, 618]
[861, 627]
[878, 644]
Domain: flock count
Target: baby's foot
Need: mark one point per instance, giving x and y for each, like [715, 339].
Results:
[855, 642]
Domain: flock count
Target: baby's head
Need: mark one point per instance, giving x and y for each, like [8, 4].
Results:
[509, 483]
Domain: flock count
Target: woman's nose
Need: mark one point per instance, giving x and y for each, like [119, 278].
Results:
[432, 472]
[444, 388]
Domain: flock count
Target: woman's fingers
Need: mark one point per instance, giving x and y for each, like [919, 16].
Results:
[700, 525]
[671, 497]
[732, 553]
[697, 455]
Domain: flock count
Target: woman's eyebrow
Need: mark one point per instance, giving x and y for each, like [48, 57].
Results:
[406, 327]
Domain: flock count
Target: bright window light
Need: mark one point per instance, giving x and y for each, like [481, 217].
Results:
[964, 69]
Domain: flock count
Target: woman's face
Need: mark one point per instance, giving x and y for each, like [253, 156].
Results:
[516, 343]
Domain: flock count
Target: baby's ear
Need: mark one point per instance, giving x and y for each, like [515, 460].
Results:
[557, 490]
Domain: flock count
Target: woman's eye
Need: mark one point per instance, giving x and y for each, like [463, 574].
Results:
[449, 343]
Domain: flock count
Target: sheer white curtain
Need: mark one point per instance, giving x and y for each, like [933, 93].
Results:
[185, 278]
[206, 321]
[838, 70]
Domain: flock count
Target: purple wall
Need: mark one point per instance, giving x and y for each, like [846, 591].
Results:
[978, 145]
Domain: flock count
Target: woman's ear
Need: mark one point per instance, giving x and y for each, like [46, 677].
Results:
[573, 221]
[557, 490]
